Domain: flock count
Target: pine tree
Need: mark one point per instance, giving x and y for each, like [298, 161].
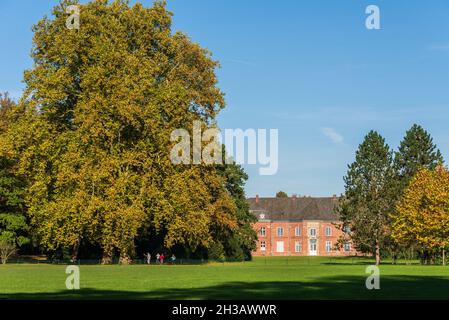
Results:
[416, 151]
[366, 203]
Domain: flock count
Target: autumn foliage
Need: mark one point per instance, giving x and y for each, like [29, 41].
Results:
[92, 133]
[423, 212]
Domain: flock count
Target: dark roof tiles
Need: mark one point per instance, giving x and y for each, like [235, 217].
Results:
[299, 208]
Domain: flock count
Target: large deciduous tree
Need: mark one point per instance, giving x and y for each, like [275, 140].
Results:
[366, 203]
[422, 214]
[93, 138]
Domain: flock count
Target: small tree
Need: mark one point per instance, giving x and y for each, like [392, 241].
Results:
[6, 250]
[281, 194]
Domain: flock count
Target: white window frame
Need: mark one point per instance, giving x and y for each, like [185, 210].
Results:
[297, 231]
[298, 246]
[262, 231]
[280, 231]
[328, 231]
[347, 246]
[263, 246]
[312, 234]
[280, 245]
[328, 246]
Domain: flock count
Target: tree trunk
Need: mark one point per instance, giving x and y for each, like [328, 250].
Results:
[444, 257]
[127, 253]
[377, 253]
[75, 251]
[125, 259]
[107, 256]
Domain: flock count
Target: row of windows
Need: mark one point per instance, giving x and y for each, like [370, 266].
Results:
[280, 232]
[298, 246]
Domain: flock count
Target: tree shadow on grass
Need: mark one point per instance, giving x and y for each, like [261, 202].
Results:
[341, 287]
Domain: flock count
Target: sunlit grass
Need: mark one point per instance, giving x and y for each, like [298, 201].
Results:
[262, 278]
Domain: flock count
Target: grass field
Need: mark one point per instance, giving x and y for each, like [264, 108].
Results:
[271, 278]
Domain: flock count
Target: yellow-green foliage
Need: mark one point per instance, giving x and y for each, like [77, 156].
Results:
[423, 212]
[93, 130]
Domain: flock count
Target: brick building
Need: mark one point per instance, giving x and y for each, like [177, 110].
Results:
[297, 226]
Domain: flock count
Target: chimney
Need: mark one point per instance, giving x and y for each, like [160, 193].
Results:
[257, 198]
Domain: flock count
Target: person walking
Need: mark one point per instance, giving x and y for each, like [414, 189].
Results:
[162, 257]
[148, 258]
[158, 256]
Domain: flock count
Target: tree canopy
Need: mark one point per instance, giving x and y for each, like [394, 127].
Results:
[365, 206]
[423, 212]
[13, 223]
[416, 151]
[281, 194]
[92, 134]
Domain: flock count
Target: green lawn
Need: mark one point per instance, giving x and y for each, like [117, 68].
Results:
[271, 278]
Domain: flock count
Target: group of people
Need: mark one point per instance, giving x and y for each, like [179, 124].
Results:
[159, 258]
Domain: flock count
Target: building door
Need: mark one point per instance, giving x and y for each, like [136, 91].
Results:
[312, 247]
[280, 246]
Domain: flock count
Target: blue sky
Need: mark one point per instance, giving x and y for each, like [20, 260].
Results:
[305, 67]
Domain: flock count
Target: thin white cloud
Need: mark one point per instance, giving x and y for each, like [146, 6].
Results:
[332, 134]
[351, 115]
[238, 61]
[439, 47]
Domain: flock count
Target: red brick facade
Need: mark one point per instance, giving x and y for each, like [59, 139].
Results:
[304, 238]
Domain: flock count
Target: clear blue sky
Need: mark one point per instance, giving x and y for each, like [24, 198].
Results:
[308, 68]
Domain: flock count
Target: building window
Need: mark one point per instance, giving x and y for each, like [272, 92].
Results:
[313, 232]
[298, 231]
[328, 246]
[328, 231]
[280, 232]
[347, 246]
[263, 246]
[346, 229]
[280, 246]
[262, 231]
[298, 246]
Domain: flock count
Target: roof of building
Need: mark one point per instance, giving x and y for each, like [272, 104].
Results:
[294, 208]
